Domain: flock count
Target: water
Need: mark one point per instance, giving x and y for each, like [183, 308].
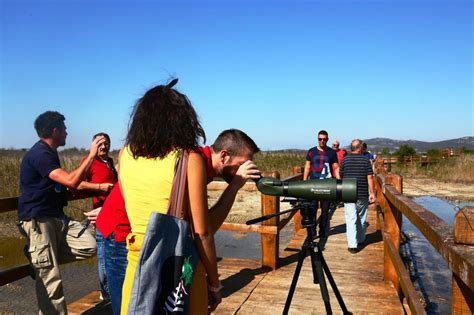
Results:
[247, 245]
[429, 271]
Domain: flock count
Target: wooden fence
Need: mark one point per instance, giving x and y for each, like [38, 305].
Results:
[455, 244]
[421, 160]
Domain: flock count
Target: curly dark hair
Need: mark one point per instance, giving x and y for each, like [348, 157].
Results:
[163, 120]
[47, 121]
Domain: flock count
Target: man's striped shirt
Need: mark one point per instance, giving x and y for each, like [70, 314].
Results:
[357, 166]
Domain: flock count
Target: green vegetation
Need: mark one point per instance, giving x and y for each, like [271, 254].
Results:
[281, 162]
[405, 150]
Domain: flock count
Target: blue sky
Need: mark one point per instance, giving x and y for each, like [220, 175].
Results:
[278, 70]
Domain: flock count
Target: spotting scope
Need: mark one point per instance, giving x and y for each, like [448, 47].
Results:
[330, 189]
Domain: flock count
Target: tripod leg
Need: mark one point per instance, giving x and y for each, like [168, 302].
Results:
[301, 257]
[318, 273]
[333, 285]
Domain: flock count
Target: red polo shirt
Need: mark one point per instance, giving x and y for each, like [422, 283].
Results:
[340, 155]
[101, 172]
[113, 216]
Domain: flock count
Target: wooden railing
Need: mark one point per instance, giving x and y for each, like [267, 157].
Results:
[21, 271]
[454, 245]
[421, 160]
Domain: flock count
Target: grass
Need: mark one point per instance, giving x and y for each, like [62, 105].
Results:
[10, 162]
[451, 170]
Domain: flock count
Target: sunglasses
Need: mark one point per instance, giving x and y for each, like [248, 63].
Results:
[323, 139]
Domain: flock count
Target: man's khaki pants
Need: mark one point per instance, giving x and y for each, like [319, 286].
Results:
[50, 242]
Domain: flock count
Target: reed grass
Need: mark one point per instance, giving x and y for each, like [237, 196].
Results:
[451, 170]
[10, 162]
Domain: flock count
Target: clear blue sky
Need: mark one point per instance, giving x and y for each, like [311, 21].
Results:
[279, 70]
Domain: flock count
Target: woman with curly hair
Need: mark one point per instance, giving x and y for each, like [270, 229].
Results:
[162, 126]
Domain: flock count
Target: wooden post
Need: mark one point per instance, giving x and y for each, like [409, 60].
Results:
[270, 242]
[297, 217]
[463, 296]
[392, 226]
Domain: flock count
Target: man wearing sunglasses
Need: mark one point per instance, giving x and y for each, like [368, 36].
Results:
[321, 163]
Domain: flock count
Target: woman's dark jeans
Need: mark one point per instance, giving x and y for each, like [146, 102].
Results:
[115, 266]
[104, 285]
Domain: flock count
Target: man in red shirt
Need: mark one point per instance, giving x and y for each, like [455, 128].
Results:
[101, 179]
[340, 153]
[230, 157]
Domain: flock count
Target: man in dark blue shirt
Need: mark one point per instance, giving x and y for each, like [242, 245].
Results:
[321, 162]
[51, 237]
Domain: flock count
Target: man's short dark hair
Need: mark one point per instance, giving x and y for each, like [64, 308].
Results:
[47, 121]
[234, 140]
[323, 132]
[364, 145]
[102, 134]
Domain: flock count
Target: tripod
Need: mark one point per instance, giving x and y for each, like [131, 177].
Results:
[318, 263]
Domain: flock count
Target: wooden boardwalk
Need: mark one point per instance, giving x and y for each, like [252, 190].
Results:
[249, 289]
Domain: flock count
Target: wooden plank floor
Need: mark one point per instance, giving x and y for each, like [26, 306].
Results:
[249, 289]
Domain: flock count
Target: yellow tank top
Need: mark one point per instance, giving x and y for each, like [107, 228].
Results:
[146, 185]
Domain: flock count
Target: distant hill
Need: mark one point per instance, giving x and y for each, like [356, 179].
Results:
[378, 144]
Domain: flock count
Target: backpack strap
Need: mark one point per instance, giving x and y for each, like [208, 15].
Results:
[175, 205]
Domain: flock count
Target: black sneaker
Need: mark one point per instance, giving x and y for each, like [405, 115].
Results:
[352, 250]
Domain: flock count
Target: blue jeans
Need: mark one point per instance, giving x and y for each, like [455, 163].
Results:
[356, 214]
[104, 286]
[115, 266]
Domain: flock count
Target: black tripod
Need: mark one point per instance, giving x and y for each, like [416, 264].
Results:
[318, 263]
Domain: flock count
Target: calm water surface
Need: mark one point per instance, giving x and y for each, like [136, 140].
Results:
[429, 271]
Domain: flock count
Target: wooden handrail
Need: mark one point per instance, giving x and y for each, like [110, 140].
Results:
[13, 274]
[8, 204]
[460, 258]
[416, 307]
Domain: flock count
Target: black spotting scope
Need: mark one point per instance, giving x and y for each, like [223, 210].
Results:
[330, 189]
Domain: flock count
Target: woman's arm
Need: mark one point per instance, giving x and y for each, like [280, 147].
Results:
[200, 216]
